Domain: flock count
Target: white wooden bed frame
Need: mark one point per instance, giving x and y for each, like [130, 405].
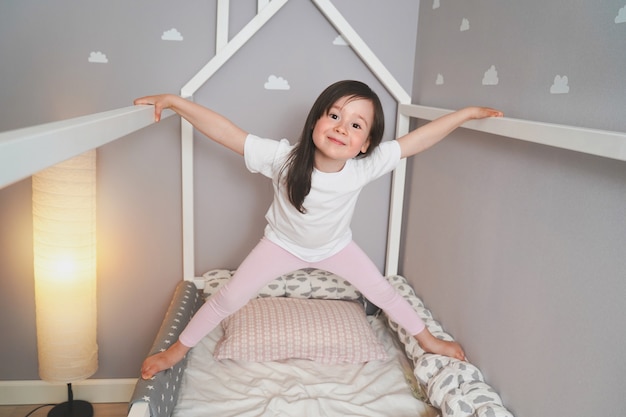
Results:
[24, 152]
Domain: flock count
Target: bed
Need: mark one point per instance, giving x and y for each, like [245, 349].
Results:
[307, 347]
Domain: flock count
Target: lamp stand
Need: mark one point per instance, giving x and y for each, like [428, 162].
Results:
[72, 408]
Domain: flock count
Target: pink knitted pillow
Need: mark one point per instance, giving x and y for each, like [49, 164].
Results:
[327, 331]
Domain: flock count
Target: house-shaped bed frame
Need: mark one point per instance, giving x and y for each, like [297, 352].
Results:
[24, 152]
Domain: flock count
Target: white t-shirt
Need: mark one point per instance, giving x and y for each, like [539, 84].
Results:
[324, 229]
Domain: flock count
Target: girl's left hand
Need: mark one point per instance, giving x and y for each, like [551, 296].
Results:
[484, 112]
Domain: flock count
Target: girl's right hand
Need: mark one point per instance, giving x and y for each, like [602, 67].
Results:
[160, 102]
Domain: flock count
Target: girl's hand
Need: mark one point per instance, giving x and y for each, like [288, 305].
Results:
[426, 136]
[160, 102]
[213, 125]
[482, 112]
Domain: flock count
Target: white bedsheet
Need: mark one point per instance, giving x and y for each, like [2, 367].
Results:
[296, 387]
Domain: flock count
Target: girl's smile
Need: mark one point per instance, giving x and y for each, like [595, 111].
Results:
[342, 133]
[338, 142]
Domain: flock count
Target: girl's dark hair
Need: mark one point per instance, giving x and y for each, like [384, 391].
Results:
[299, 165]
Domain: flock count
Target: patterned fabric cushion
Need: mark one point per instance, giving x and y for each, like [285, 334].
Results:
[328, 331]
[455, 387]
[303, 283]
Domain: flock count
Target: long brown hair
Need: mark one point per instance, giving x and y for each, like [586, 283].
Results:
[299, 165]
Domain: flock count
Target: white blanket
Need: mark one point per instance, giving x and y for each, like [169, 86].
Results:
[297, 387]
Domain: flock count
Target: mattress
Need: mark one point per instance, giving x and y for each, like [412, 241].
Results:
[297, 387]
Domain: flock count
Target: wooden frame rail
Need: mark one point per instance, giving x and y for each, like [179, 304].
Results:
[24, 152]
[603, 143]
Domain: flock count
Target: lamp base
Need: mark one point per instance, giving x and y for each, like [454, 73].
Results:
[74, 408]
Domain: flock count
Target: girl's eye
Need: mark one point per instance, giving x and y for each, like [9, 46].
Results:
[356, 125]
[333, 116]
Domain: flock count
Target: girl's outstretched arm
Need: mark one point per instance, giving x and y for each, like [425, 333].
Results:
[211, 124]
[426, 136]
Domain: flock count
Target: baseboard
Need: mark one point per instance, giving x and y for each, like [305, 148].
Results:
[92, 390]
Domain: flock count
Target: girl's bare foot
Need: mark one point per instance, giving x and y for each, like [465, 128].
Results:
[431, 344]
[163, 360]
[451, 349]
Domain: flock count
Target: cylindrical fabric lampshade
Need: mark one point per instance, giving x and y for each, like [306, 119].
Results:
[64, 232]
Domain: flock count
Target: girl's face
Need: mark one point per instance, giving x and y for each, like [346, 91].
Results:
[342, 133]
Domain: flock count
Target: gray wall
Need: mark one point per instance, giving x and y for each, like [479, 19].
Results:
[46, 76]
[519, 247]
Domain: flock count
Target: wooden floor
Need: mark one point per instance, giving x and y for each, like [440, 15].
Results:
[100, 410]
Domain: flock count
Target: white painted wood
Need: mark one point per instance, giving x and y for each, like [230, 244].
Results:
[222, 56]
[363, 51]
[187, 181]
[396, 205]
[92, 390]
[200, 282]
[221, 25]
[591, 141]
[24, 152]
[139, 410]
[261, 4]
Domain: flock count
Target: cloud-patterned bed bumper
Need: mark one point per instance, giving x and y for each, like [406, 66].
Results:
[457, 388]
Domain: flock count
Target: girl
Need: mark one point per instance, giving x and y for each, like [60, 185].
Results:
[316, 186]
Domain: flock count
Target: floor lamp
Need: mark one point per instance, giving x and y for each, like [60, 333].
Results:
[64, 248]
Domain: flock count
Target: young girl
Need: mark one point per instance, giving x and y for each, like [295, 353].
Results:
[316, 186]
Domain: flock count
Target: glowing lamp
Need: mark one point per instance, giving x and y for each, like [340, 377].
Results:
[64, 244]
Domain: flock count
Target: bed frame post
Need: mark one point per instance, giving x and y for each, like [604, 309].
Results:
[221, 24]
[186, 131]
[396, 205]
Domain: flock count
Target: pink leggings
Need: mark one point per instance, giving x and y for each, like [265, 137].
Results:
[268, 261]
